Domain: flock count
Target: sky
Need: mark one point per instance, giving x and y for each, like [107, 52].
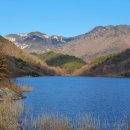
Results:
[61, 17]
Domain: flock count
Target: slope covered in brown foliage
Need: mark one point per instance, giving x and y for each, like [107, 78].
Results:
[24, 64]
[116, 65]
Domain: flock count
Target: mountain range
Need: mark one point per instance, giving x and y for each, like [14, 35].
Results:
[94, 48]
[37, 42]
[101, 40]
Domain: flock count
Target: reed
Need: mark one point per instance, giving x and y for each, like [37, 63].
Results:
[10, 113]
[15, 116]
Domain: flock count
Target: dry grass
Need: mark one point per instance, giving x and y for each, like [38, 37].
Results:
[82, 71]
[10, 85]
[26, 88]
[48, 122]
[87, 122]
[10, 113]
[13, 116]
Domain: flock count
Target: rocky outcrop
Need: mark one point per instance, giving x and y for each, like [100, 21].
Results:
[37, 42]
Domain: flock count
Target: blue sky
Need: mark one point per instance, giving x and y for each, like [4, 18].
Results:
[61, 17]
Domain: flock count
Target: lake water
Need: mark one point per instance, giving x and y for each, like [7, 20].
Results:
[106, 98]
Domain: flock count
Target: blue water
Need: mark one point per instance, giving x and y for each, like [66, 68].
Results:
[104, 98]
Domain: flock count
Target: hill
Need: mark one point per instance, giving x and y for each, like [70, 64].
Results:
[21, 63]
[115, 65]
[70, 63]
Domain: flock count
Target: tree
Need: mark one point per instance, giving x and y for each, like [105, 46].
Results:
[4, 73]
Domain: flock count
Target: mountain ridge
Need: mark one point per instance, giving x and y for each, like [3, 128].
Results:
[99, 41]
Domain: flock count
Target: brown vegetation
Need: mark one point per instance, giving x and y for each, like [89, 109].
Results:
[23, 64]
[9, 115]
[26, 88]
[4, 73]
[117, 65]
[14, 116]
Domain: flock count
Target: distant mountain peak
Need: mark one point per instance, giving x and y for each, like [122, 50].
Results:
[110, 27]
[37, 41]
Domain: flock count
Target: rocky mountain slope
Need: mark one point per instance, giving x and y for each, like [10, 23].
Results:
[37, 42]
[115, 65]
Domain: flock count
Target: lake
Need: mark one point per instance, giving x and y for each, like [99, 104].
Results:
[104, 98]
